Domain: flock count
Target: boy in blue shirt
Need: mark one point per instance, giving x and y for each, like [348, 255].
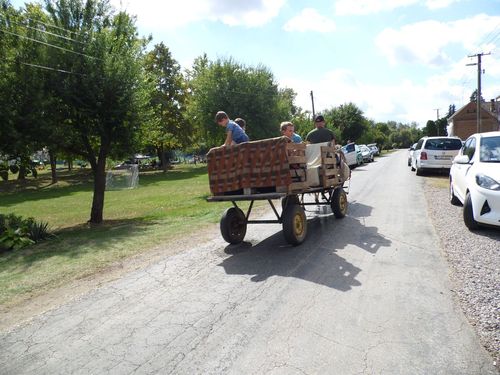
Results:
[234, 133]
[288, 130]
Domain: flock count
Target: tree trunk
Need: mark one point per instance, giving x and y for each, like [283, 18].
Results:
[99, 170]
[164, 160]
[22, 172]
[52, 158]
[70, 164]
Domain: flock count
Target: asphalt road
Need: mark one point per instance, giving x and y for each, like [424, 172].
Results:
[367, 294]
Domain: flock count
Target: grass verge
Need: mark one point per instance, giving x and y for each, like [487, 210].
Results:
[164, 207]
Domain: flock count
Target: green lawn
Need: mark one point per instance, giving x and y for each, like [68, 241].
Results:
[163, 207]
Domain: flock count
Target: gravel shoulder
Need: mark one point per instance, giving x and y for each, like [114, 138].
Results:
[474, 259]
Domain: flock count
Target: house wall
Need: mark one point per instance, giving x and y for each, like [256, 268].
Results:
[465, 124]
[465, 128]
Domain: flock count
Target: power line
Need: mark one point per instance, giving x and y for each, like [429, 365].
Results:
[490, 34]
[47, 32]
[52, 69]
[51, 25]
[49, 45]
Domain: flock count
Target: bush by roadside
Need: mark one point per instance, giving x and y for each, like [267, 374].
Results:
[17, 232]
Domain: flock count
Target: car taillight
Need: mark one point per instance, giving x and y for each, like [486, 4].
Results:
[423, 155]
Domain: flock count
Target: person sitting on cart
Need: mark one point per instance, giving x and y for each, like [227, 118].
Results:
[234, 133]
[288, 130]
[242, 123]
[321, 133]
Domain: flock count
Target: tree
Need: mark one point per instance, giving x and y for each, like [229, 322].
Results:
[105, 95]
[349, 119]
[22, 86]
[473, 97]
[166, 127]
[441, 126]
[451, 110]
[430, 128]
[240, 91]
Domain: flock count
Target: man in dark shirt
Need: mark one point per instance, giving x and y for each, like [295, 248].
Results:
[320, 134]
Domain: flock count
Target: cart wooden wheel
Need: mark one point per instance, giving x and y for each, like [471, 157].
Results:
[288, 200]
[294, 224]
[339, 203]
[233, 225]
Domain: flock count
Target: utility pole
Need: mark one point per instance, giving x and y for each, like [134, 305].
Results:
[312, 101]
[437, 119]
[478, 98]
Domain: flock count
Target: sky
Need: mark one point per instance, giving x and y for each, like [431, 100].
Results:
[397, 60]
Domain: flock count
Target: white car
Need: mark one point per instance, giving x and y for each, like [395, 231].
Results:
[352, 154]
[475, 179]
[366, 153]
[410, 153]
[373, 147]
[435, 153]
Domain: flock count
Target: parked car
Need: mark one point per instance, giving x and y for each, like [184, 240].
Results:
[475, 179]
[374, 148]
[366, 153]
[410, 153]
[352, 154]
[435, 153]
[126, 164]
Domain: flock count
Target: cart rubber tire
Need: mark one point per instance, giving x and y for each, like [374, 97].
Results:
[339, 203]
[288, 200]
[233, 225]
[469, 214]
[453, 198]
[294, 224]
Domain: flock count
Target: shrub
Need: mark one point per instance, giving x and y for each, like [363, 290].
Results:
[38, 230]
[16, 232]
[14, 239]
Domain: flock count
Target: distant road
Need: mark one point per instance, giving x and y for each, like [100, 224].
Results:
[368, 294]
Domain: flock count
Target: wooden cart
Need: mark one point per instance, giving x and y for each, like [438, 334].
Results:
[276, 169]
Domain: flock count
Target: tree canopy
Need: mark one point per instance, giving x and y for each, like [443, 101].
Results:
[247, 92]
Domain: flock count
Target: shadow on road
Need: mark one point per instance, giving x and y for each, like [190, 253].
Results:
[316, 260]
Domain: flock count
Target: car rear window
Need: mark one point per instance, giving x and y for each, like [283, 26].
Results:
[443, 144]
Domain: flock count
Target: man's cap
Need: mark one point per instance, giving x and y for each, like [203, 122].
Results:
[319, 118]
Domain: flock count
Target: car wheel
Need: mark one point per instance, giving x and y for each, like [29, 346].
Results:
[409, 162]
[420, 172]
[453, 199]
[469, 214]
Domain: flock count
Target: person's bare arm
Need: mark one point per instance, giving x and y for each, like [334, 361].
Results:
[229, 138]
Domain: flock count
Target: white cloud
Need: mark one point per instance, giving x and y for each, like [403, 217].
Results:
[160, 14]
[407, 101]
[437, 4]
[430, 42]
[347, 7]
[361, 7]
[310, 20]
